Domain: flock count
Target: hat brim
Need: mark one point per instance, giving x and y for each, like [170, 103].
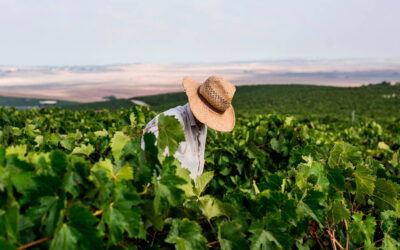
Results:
[204, 112]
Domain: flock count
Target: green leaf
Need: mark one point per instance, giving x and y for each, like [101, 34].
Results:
[19, 150]
[211, 207]
[202, 181]
[9, 220]
[23, 181]
[389, 223]
[384, 146]
[312, 174]
[186, 235]
[365, 181]
[336, 178]
[58, 162]
[64, 239]
[70, 184]
[385, 194]
[188, 188]
[155, 219]
[83, 225]
[105, 165]
[343, 153]
[122, 215]
[339, 213]
[312, 206]
[118, 142]
[278, 203]
[67, 143]
[390, 243]
[4, 245]
[101, 133]
[362, 230]
[132, 118]
[274, 145]
[125, 173]
[230, 236]
[2, 155]
[122, 218]
[170, 134]
[167, 190]
[83, 150]
[262, 238]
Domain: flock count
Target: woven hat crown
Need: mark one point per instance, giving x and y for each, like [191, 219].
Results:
[217, 92]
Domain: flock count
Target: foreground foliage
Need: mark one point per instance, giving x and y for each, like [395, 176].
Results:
[80, 180]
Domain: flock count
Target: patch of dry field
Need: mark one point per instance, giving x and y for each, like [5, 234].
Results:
[91, 83]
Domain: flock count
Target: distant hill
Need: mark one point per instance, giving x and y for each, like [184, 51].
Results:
[380, 101]
[26, 103]
[110, 105]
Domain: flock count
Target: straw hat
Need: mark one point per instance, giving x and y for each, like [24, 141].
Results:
[210, 102]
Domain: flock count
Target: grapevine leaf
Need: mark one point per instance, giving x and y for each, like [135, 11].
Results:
[2, 155]
[202, 181]
[311, 205]
[155, 219]
[365, 181]
[125, 173]
[339, 213]
[336, 178]
[384, 146]
[274, 145]
[170, 134]
[385, 194]
[19, 150]
[5, 245]
[23, 181]
[101, 133]
[188, 187]
[118, 142]
[342, 153]
[9, 220]
[70, 185]
[230, 236]
[132, 118]
[262, 238]
[105, 165]
[211, 207]
[84, 150]
[58, 162]
[276, 202]
[186, 235]
[390, 243]
[54, 206]
[64, 239]
[83, 223]
[389, 223]
[362, 230]
[121, 216]
[167, 191]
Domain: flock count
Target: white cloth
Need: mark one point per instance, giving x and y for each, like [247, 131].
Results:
[190, 153]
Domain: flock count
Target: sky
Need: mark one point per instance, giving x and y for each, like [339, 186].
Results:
[101, 32]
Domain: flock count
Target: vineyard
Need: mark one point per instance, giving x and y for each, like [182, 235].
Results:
[80, 180]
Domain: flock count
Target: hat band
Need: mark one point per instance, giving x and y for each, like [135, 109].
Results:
[204, 100]
[213, 98]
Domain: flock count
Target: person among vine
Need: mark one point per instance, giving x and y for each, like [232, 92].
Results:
[209, 105]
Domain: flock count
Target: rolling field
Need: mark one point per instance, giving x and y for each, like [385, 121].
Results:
[374, 101]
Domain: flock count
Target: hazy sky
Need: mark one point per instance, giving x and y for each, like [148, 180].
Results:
[74, 32]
